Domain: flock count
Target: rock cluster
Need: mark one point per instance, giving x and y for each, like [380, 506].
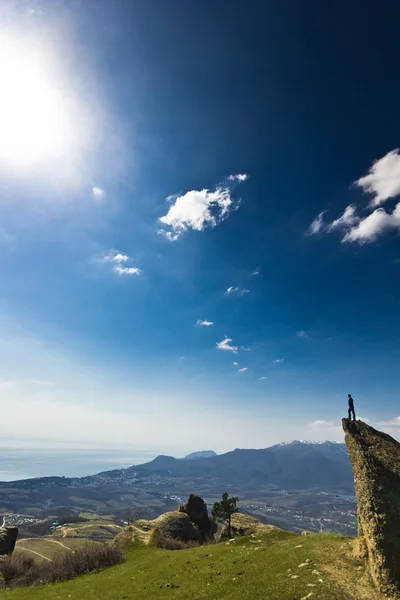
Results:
[8, 537]
[196, 509]
[375, 460]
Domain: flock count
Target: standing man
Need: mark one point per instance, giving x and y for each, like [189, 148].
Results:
[351, 408]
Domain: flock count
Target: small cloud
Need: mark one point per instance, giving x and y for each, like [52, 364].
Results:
[245, 349]
[363, 419]
[373, 225]
[198, 209]
[243, 370]
[348, 219]
[302, 334]
[320, 424]
[261, 378]
[236, 291]
[240, 177]
[383, 178]
[225, 345]
[317, 225]
[117, 259]
[42, 383]
[278, 360]
[127, 270]
[255, 273]
[235, 364]
[393, 422]
[98, 193]
[204, 323]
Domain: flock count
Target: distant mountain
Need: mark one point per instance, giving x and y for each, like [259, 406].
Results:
[292, 466]
[201, 454]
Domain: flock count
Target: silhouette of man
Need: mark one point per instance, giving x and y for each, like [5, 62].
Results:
[351, 408]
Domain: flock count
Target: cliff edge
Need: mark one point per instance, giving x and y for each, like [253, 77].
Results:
[375, 460]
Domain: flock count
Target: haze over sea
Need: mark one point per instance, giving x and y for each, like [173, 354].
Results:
[24, 463]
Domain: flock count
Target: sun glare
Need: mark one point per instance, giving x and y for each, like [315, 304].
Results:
[35, 124]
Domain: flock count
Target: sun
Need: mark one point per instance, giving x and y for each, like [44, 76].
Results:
[35, 120]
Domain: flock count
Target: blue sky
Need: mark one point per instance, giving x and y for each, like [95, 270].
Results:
[186, 187]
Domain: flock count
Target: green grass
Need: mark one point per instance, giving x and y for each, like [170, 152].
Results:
[251, 568]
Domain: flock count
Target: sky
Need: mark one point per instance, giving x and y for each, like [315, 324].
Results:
[199, 222]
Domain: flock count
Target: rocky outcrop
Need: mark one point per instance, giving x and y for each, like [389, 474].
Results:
[8, 537]
[173, 524]
[242, 524]
[196, 509]
[375, 460]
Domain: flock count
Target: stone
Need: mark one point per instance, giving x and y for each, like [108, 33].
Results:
[196, 509]
[375, 460]
[8, 537]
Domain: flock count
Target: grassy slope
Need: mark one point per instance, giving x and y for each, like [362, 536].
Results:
[244, 569]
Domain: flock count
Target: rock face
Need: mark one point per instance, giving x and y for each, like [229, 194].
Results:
[375, 460]
[8, 537]
[242, 524]
[173, 524]
[196, 509]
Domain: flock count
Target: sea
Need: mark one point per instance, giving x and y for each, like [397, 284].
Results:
[26, 463]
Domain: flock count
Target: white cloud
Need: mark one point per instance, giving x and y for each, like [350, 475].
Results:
[328, 429]
[255, 273]
[243, 370]
[117, 259]
[317, 225]
[240, 177]
[373, 225]
[261, 378]
[225, 345]
[393, 422]
[278, 360]
[197, 209]
[348, 219]
[302, 334]
[127, 270]
[236, 291]
[204, 323]
[115, 256]
[98, 193]
[383, 179]
[235, 364]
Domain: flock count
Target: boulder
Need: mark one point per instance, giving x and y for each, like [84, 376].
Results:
[173, 524]
[196, 509]
[242, 524]
[375, 460]
[8, 537]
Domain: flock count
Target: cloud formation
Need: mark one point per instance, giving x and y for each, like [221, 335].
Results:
[243, 370]
[261, 378]
[235, 364]
[278, 360]
[97, 192]
[348, 219]
[302, 334]
[383, 182]
[236, 291]
[383, 178]
[198, 209]
[204, 323]
[225, 345]
[118, 259]
[369, 228]
[317, 225]
[240, 177]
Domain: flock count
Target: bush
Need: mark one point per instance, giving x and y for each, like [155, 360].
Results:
[173, 543]
[21, 570]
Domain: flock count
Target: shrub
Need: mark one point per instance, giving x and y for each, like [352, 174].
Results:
[21, 570]
[173, 543]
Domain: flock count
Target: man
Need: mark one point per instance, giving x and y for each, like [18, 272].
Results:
[351, 408]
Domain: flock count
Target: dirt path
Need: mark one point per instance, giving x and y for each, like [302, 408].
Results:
[34, 552]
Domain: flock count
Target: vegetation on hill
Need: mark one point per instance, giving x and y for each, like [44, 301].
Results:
[278, 565]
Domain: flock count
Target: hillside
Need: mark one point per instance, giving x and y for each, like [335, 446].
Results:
[278, 566]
